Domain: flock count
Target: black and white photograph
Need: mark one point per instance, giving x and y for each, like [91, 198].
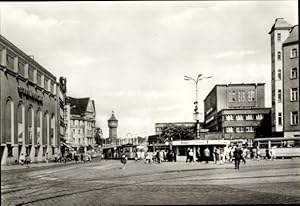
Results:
[149, 103]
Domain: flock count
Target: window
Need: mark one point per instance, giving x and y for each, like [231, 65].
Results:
[279, 74]
[46, 83]
[279, 95]
[229, 117]
[249, 129]
[278, 37]
[232, 97]
[280, 118]
[241, 96]
[39, 79]
[239, 117]
[294, 118]
[294, 53]
[294, 73]
[294, 94]
[229, 129]
[9, 150]
[239, 129]
[30, 74]
[251, 96]
[279, 55]
[21, 69]
[259, 117]
[249, 117]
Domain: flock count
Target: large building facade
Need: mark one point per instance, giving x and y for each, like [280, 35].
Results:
[235, 110]
[279, 33]
[28, 107]
[291, 82]
[81, 130]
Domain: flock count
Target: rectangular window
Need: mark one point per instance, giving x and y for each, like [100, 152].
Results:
[294, 53]
[21, 69]
[279, 74]
[259, 117]
[279, 55]
[10, 62]
[249, 129]
[46, 83]
[239, 117]
[278, 37]
[232, 97]
[294, 94]
[229, 129]
[30, 73]
[249, 117]
[294, 73]
[294, 118]
[52, 87]
[229, 117]
[280, 118]
[39, 79]
[279, 95]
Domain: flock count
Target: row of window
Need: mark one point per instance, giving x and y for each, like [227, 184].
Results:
[293, 73]
[293, 54]
[241, 117]
[240, 96]
[239, 129]
[294, 118]
[37, 123]
[20, 66]
[81, 123]
[293, 95]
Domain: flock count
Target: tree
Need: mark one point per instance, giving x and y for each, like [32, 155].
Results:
[98, 136]
[174, 132]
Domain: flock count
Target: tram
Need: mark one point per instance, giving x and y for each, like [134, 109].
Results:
[115, 152]
[283, 147]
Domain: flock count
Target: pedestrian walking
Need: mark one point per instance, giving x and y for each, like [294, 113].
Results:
[191, 156]
[198, 155]
[55, 157]
[258, 154]
[206, 154]
[22, 159]
[237, 157]
[27, 160]
[244, 154]
[148, 157]
[272, 153]
[214, 154]
[187, 154]
[218, 155]
[47, 158]
[124, 160]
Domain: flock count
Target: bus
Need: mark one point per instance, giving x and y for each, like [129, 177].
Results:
[283, 147]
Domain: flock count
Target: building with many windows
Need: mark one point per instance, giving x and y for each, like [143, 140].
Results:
[81, 121]
[279, 33]
[28, 107]
[291, 82]
[236, 110]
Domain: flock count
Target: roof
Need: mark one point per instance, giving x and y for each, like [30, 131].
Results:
[78, 105]
[112, 118]
[293, 37]
[280, 24]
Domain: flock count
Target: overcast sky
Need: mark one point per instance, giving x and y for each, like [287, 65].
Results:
[130, 57]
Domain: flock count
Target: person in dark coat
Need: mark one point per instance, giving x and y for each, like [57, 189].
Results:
[237, 157]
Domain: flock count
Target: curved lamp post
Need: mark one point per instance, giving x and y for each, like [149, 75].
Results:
[196, 113]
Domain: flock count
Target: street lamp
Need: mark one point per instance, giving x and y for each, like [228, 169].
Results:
[196, 113]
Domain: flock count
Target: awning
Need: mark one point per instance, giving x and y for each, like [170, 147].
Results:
[67, 145]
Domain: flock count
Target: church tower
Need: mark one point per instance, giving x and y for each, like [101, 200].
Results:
[112, 125]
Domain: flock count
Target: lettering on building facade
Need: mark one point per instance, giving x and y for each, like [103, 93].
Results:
[30, 95]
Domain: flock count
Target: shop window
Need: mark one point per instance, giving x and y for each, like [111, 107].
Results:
[9, 150]
[36, 152]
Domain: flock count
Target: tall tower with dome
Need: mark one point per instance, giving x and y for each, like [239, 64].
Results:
[112, 125]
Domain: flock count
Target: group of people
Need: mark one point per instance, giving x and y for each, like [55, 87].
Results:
[25, 159]
[160, 156]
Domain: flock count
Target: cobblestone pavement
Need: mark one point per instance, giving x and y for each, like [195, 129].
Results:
[105, 183]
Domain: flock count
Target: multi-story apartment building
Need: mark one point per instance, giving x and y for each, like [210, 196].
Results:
[236, 110]
[291, 82]
[28, 107]
[279, 33]
[81, 121]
